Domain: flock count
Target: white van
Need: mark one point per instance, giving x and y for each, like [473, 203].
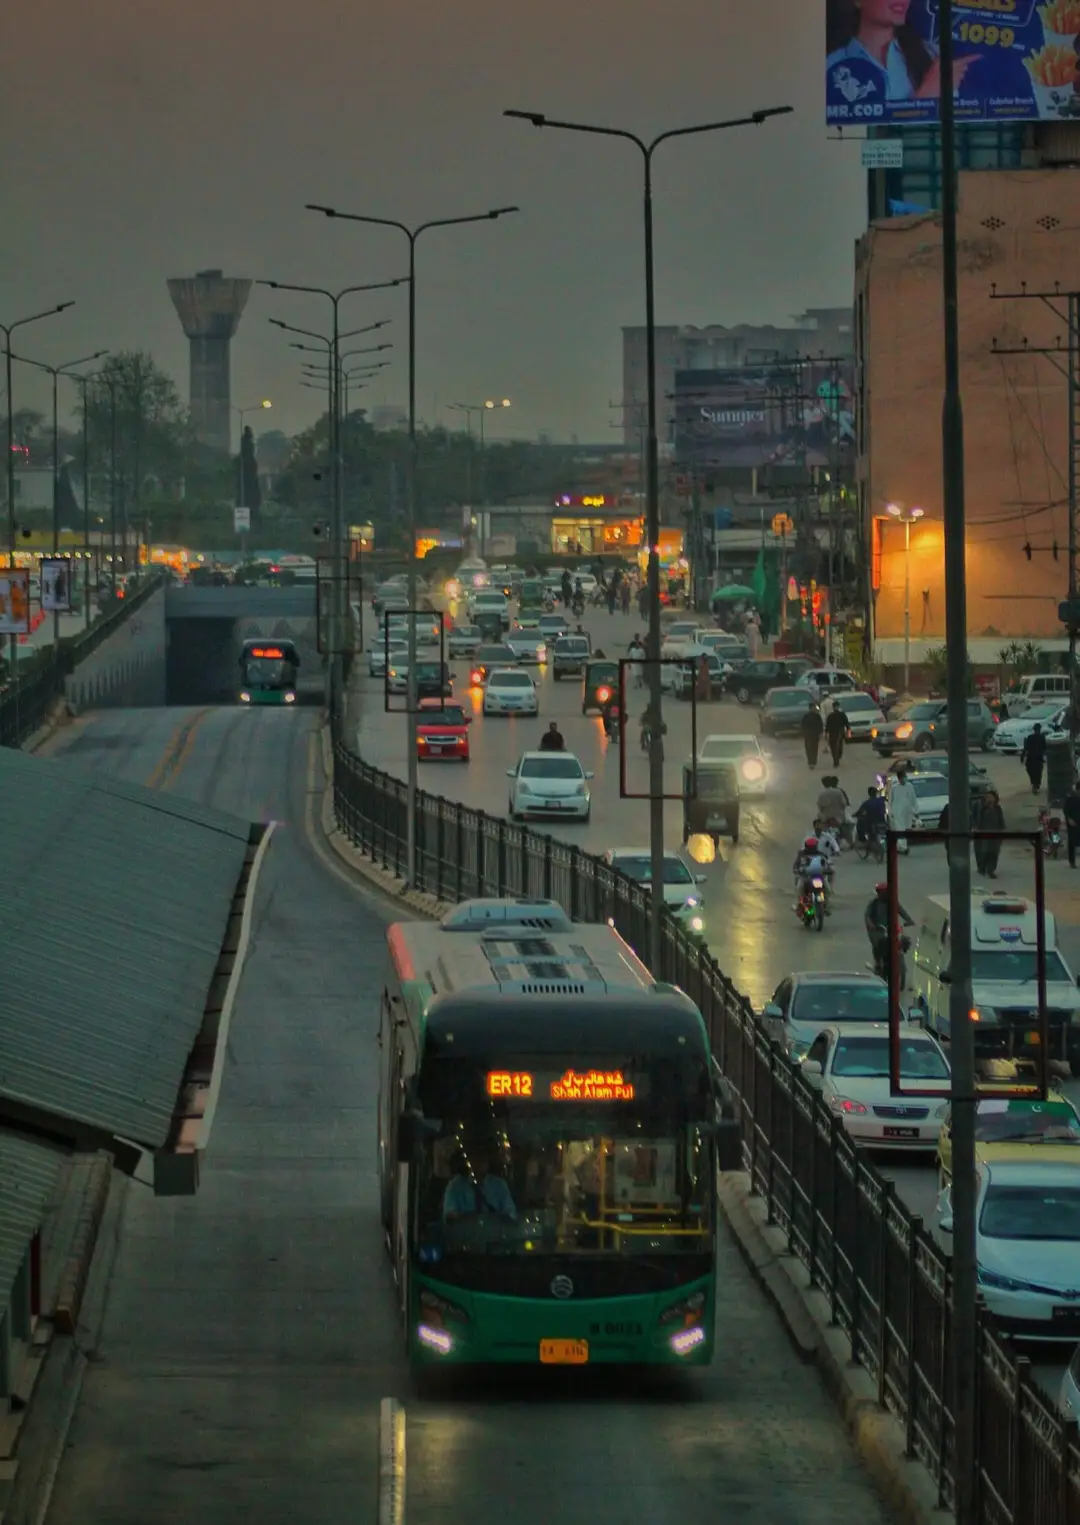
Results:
[1004, 970]
[1036, 688]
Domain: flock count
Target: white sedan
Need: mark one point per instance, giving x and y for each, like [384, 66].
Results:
[509, 691]
[861, 712]
[849, 1063]
[1027, 1245]
[549, 783]
[745, 752]
[1010, 735]
[399, 652]
[682, 890]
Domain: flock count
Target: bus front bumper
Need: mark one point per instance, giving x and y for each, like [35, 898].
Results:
[451, 1326]
[267, 696]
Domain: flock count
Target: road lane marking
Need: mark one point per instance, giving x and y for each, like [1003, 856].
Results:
[176, 752]
[391, 1463]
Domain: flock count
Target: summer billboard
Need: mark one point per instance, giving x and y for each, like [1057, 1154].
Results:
[1015, 61]
[799, 414]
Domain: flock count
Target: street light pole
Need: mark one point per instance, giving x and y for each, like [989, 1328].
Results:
[412, 234]
[55, 372]
[241, 491]
[480, 409]
[338, 561]
[907, 517]
[652, 486]
[7, 329]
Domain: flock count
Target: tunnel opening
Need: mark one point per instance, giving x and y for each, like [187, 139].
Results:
[200, 662]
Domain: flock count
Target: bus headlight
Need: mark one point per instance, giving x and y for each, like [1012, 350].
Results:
[753, 770]
[687, 1340]
[434, 1339]
[696, 924]
[290, 698]
[245, 697]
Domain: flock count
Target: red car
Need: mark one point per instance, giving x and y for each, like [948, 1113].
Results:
[442, 732]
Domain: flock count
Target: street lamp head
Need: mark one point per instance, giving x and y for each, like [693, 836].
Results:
[266, 403]
[537, 118]
[763, 116]
[502, 211]
[63, 306]
[894, 509]
[310, 206]
[916, 513]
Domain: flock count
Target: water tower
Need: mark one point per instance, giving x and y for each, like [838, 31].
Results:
[209, 306]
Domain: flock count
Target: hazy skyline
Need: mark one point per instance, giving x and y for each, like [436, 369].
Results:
[146, 146]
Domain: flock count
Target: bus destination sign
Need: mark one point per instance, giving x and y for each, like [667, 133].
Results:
[572, 1085]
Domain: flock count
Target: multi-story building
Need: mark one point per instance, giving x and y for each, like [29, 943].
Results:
[1018, 227]
[821, 330]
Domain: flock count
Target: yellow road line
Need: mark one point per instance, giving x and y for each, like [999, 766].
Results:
[176, 752]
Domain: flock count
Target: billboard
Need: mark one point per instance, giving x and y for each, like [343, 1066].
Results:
[14, 601]
[1015, 61]
[800, 413]
[56, 579]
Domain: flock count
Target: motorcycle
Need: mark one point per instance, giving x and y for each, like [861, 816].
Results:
[577, 606]
[811, 908]
[872, 845]
[1050, 826]
[611, 720]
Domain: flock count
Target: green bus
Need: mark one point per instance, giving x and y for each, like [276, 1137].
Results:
[268, 671]
[550, 1127]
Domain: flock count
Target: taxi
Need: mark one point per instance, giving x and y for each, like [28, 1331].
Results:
[442, 732]
[1015, 1129]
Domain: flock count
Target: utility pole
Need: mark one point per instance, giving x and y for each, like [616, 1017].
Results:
[961, 1029]
[1065, 305]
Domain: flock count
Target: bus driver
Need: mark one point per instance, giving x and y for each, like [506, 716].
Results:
[488, 1192]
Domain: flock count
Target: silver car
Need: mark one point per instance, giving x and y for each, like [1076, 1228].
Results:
[528, 646]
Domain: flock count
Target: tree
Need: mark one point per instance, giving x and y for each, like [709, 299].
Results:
[248, 492]
[153, 433]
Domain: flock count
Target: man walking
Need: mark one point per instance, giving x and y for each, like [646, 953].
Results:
[989, 816]
[1033, 757]
[812, 728]
[835, 732]
[1071, 812]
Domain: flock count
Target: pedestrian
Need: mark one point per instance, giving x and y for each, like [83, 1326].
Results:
[753, 637]
[903, 805]
[1033, 757]
[643, 601]
[624, 595]
[812, 728]
[989, 816]
[1072, 820]
[835, 732]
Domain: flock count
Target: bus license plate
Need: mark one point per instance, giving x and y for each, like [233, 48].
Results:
[564, 1352]
[900, 1132]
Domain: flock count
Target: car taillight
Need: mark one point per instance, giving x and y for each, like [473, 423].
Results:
[603, 694]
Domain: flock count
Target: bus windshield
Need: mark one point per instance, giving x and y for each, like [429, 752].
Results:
[568, 1157]
[268, 672]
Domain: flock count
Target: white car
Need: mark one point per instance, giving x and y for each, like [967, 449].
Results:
[427, 629]
[746, 753]
[528, 646]
[861, 712]
[1069, 1397]
[463, 640]
[932, 794]
[549, 783]
[509, 691]
[1010, 735]
[849, 1063]
[683, 630]
[828, 682]
[681, 887]
[490, 601]
[1027, 1246]
[399, 652]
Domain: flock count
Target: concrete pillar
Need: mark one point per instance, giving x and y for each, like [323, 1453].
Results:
[209, 306]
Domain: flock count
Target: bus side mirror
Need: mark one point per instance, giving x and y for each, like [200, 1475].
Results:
[728, 1135]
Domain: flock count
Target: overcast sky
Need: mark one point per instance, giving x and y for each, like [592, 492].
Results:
[144, 141]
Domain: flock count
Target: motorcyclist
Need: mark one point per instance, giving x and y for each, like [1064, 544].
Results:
[552, 740]
[876, 921]
[832, 805]
[870, 816]
[809, 864]
[567, 588]
[611, 715]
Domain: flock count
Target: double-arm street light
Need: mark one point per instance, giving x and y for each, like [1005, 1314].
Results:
[412, 234]
[647, 147]
[83, 379]
[338, 561]
[55, 372]
[481, 409]
[7, 329]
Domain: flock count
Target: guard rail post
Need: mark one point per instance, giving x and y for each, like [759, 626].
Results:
[884, 1284]
[501, 861]
[911, 1386]
[834, 1248]
[460, 887]
[440, 844]
[547, 868]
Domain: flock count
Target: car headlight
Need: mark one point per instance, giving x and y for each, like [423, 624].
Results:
[523, 787]
[753, 770]
[846, 1106]
[943, 1110]
[904, 731]
[986, 1014]
[995, 1279]
[394, 672]
[696, 924]
[579, 788]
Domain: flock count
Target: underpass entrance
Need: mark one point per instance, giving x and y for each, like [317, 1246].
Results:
[206, 630]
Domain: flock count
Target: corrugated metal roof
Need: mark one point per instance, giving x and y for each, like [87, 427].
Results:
[28, 1172]
[113, 903]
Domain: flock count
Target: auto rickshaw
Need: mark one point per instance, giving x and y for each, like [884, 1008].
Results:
[712, 809]
[599, 686]
[531, 596]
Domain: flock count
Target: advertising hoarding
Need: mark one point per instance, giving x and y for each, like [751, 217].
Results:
[56, 579]
[1015, 61]
[800, 413]
[14, 601]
